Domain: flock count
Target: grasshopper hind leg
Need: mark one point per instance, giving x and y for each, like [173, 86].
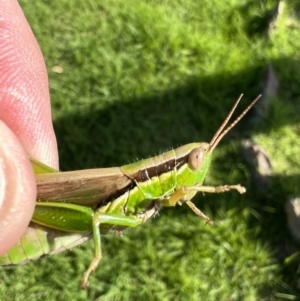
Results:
[111, 219]
[98, 254]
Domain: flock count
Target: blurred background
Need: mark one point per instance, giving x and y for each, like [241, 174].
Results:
[133, 79]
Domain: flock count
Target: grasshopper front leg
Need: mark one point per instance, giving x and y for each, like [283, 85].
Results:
[186, 193]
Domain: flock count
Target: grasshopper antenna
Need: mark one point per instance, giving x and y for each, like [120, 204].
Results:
[221, 132]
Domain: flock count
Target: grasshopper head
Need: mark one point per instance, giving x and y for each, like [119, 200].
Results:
[197, 156]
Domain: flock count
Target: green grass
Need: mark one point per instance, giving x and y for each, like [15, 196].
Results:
[139, 78]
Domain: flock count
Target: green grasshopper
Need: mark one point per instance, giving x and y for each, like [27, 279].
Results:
[74, 206]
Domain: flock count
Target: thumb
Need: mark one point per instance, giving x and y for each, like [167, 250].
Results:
[17, 189]
[26, 129]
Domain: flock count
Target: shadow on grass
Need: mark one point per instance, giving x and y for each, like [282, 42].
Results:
[146, 126]
[257, 17]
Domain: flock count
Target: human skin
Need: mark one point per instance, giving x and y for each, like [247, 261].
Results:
[26, 128]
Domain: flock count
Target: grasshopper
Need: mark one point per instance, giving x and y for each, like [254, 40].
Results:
[74, 206]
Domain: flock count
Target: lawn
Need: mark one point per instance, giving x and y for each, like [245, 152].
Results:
[141, 77]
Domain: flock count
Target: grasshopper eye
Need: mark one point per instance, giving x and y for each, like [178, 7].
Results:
[196, 157]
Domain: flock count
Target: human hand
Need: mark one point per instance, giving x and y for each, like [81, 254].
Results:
[25, 122]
